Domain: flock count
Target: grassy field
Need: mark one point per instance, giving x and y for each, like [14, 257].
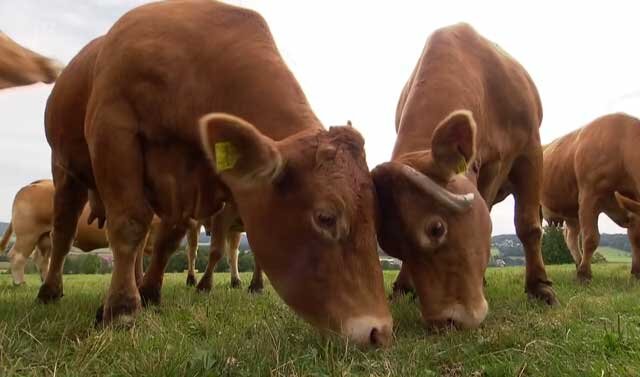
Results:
[594, 332]
[614, 255]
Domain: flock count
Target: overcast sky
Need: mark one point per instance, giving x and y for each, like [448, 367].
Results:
[352, 62]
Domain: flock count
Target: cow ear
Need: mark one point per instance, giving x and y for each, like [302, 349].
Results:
[238, 151]
[629, 205]
[453, 144]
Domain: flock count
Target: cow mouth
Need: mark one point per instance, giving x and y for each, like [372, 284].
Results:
[458, 316]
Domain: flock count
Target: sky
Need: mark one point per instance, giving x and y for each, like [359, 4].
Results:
[352, 62]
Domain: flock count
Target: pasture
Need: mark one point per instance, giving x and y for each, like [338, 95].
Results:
[594, 332]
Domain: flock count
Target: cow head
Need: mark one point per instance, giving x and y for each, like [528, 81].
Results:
[436, 222]
[308, 205]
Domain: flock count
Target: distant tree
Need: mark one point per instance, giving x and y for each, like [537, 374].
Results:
[554, 248]
[222, 265]
[616, 241]
[202, 259]
[89, 264]
[598, 258]
[246, 262]
[71, 265]
[177, 262]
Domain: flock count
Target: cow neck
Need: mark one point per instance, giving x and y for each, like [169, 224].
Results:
[278, 107]
[282, 122]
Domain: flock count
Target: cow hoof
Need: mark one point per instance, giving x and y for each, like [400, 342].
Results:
[584, 277]
[543, 292]
[255, 288]
[46, 294]
[121, 314]
[149, 295]
[204, 286]
[235, 282]
[191, 280]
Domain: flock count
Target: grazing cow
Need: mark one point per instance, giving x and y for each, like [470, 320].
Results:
[21, 66]
[593, 170]
[31, 221]
[465, 98]
[126, 122]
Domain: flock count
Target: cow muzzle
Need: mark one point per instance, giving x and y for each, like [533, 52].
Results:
[369, 331]
[459, 316]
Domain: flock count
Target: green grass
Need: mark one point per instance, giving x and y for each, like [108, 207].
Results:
[594, 332]
[614, 255]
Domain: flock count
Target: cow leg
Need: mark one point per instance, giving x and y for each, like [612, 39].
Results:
[18, 256]
[257, 280]
[68, 201]
[139, 272]
[167, 241]
[192, 252]
[572, 238]
[234, 243]
[220, 243]
[403, 284]
[118, 167]
[43, 255]
[526, 177]
[633, 231]
[588, 214]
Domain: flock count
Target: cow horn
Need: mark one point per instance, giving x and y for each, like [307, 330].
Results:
[455, 202]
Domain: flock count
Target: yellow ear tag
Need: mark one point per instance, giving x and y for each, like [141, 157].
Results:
[226, 156]
[462, 166]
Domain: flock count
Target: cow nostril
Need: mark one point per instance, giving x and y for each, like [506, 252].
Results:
[379, 337]
[374, 337]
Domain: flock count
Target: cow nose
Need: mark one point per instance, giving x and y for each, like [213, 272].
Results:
[380, 337]
[370, 331]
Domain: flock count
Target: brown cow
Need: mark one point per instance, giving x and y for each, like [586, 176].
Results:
[465, 98]
[583, 171]
[31, 221]
[21, 66]
[125, 122]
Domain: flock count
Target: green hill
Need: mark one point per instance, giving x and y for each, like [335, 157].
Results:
[614, 255]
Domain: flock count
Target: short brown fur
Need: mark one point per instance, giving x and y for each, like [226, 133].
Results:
[594, 170]
[460, 69]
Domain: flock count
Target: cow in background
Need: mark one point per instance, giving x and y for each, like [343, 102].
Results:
[32, 221]
[594, 170]
[467, 136]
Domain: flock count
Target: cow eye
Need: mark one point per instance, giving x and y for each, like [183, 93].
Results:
[328, 223]
[326, 220]
[436, 230]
